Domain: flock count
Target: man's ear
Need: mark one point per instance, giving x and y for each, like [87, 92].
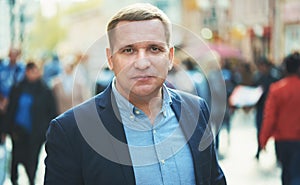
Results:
[171, 57]
[109, 58]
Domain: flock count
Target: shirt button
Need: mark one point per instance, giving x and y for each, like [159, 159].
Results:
[154, 131]
[162, 162]
[137, 112]
[131, 117]
[165, 113]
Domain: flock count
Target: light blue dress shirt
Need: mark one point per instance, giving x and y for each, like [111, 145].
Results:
[160, 153]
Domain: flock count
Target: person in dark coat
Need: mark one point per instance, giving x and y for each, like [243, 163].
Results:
[31, 108]
[264, 79]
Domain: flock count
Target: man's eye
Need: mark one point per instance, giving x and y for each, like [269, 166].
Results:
[128, 50]
[154, 49]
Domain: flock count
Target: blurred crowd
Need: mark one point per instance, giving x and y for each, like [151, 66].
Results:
[33, 92]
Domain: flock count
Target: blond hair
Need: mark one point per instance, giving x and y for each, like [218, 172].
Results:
[139, 12]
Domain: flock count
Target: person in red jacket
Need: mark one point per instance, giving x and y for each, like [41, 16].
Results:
[282, 120]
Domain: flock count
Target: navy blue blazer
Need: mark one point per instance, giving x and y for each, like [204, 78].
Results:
[87, 144]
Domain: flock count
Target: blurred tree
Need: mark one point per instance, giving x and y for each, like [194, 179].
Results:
[46, 34]
[82, 6]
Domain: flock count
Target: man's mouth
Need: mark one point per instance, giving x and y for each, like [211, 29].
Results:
[142, 78]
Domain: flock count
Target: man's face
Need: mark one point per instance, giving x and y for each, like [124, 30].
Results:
[13, 55]
[140, 57]
[33, 74]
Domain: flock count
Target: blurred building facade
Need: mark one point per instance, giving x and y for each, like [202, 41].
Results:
[16, 19]
[4, 27]
[257, 27]
[85, 27]
[291, 19]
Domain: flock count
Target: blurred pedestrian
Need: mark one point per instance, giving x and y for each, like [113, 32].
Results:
[105, 78]
[52, 69]
[281, 120]
[230, 81]
[263, 78]
[199, 81]
[83, 74]
[11, 72]
[145, 133]
[246, 72]
[68, 91]
[179, 79]
[29, 111]
[2, 150]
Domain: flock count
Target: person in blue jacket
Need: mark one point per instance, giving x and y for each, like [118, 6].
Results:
[12, 71]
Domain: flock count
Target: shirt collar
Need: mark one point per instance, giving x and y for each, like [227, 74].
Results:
[125, 105]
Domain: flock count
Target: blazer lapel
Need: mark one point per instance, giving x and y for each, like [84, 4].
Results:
[111, 119]
[189, 114]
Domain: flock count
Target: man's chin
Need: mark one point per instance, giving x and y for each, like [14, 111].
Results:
[143, 90]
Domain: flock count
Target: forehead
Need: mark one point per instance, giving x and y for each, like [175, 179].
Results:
[32, 70]
[131, 32]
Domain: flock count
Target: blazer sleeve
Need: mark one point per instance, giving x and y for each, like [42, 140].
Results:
[217, 175]
[62, 163]
[207, 169]
[211, 173]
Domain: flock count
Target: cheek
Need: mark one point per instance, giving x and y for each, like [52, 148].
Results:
[121, 67]
[163, 66]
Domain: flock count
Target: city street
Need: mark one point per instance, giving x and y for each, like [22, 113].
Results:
[238, 161]
[217, 49]
[239, 164]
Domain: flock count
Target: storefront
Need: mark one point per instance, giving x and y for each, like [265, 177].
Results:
[291, 19]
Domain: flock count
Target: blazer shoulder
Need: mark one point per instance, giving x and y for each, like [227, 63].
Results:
[193, 104]
[69, 119]
[182, 94]
[188, 97]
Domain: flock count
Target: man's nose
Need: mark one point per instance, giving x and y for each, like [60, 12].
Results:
[142, 60]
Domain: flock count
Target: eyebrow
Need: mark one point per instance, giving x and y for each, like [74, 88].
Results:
[148, 43]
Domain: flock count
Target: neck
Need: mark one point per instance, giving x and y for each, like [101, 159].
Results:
[150, 104]
[12, 63]
[150, 107]
[291, 74]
